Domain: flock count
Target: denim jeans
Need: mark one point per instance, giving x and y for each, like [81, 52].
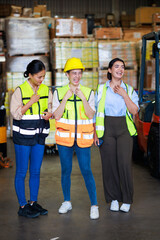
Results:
[23, 155]
[84, 160]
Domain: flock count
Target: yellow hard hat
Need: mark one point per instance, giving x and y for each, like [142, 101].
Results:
[73, 63]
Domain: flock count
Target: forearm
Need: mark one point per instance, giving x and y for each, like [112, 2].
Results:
[26, 107]
[88, 110]
[131, 106]
[60, 110]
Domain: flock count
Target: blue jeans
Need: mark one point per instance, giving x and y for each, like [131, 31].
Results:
[84, 160]
[23, 154]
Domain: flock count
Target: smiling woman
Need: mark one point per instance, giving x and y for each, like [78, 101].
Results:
[30, 128]
[116, 102]
[73, 108]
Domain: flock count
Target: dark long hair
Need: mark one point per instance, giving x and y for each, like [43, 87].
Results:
[34, 67]
[110, 65]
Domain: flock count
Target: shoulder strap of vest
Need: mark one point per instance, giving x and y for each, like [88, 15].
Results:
[86, 91]
[129, 90]
[100, 89]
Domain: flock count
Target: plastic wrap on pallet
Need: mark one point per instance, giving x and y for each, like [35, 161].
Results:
[18, 64]
[89, 79]
[27, 36]
[14, 79]
[124, 50]
[130, 77]
[85, 49]
[2, 24]
[1, 45]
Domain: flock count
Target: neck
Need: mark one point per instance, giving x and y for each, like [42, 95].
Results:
[115, 82]
[72, 87]
[35, 87]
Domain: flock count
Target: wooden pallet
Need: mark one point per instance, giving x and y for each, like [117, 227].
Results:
[27, 55]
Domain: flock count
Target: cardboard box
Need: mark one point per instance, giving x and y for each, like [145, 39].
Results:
[37, 12]
[40, 11]
[27, 12]
[126, 20]
[156, 28]
[71, 27]
[135, 34]
[16, 11]
[148, 74]
[143, 15]
[108, 33]
[156, 18]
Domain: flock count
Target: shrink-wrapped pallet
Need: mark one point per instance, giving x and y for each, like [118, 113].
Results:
[85, 49]
[27, 36]
[14, 79]
[89, 79]
[129, 77]
[19, 63]
[124, 50]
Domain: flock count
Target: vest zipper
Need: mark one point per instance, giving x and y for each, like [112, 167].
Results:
[75, 107]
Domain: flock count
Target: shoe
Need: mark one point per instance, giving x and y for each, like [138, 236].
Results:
[125, 207]
[28, 211]
[39, 208]
[114, 206]
[94, 212]
[65, 207]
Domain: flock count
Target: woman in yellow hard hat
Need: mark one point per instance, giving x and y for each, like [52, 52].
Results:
[73, 109]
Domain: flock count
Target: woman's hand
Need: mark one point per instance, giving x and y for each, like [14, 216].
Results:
[96, 140]
[35, 97]
[68, 94]
[119, 90]
[46, 116]
[79, 94]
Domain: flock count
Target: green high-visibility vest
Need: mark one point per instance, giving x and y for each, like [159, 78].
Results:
[101, 92]
[42, 104]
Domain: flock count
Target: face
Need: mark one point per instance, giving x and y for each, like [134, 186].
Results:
[74, 76]
[37, 78]
[117, 70]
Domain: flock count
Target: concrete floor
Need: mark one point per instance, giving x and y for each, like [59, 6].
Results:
[141, 223]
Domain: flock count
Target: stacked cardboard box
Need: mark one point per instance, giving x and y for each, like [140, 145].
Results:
[107, 50]
[149, 79]
[108, 33]
[135, 34]
[143, 15]
[85, 49]
[68, 27]
[41, 11]
[156, 22]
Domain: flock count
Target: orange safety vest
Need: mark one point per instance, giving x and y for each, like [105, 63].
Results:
[74, 124]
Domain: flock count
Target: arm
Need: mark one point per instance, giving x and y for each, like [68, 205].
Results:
[88, 110]
[35, 97]
[96, 140]
[132, 107]
[59, 111]
[48, 114]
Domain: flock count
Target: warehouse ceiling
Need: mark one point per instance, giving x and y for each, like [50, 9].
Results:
[78, 8]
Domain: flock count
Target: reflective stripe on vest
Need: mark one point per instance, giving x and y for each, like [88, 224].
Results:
[101, 91]
[74, 122]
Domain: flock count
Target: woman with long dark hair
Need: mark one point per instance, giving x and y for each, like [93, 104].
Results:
[116, 103]
[31, 106]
